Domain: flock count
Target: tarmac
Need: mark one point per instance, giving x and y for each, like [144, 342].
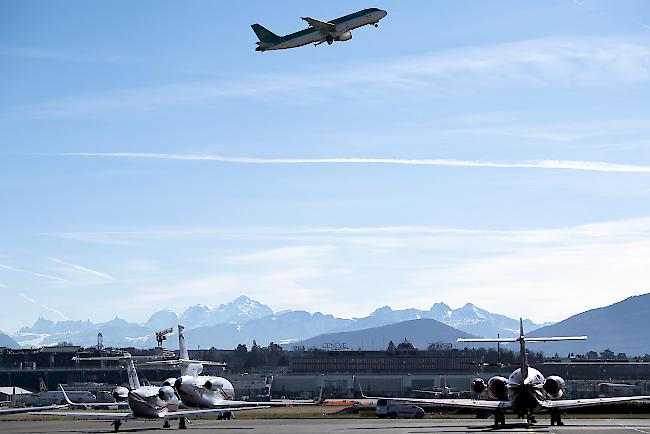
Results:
[318, 426]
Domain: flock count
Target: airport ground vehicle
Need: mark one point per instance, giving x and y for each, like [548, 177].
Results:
[394, 409]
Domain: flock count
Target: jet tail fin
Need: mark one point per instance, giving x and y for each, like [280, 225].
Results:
[265, 35]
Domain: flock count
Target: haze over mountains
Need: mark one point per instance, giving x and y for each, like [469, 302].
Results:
[621, 327]
[243, 319]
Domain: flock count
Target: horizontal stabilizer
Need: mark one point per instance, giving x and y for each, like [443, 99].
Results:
[557, 339]
[512, 340]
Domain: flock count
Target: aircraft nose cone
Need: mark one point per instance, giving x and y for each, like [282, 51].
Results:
[383, 13]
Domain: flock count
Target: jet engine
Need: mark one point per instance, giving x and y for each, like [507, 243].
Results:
[498, 388]
[211, 384]
[166, 393]
[169, 382]
[178, 383]
[120, 393]
[554, 386]
[478, 385]
[344, 36]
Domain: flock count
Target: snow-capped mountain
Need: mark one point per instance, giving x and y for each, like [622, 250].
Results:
[240, 310]
[243, 320]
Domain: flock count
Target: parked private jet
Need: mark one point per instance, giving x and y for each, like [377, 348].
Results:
[207, 391]
[14, 409]
[524, 391]
[145, 402]
[339, 29]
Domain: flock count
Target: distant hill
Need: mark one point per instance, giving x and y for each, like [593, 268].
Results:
[7, 341]
[420, 332]
[622, 327]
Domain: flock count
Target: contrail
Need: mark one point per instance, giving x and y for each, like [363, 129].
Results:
[591, 166]
[31, 300]
[48, 276]
[82, 269]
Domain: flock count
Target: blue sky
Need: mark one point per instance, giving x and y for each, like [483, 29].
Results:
[479, 152]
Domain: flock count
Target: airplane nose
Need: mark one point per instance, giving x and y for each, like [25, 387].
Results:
[383, 13]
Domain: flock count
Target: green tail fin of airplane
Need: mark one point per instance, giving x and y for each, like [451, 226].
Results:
[265, 35]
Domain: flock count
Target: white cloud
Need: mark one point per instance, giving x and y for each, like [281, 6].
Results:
[545, 274]
[82, 269]
[591, 166]
[541, 62]
[2, 285]
[285, 255]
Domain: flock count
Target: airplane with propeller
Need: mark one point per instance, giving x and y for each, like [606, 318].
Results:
[524, 392]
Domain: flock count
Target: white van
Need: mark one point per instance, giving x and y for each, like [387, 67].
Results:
[395, 409]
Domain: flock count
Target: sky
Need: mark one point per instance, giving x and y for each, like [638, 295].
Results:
[488, 152]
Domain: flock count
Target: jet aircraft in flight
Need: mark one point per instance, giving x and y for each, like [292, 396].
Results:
[339, 29]
[523, 392]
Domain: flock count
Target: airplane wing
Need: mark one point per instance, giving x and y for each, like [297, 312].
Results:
[87, 415]
[256, 404]
[320, 25]
[29, 409]
[478, 404]
[188, 413]
[90, 404]
[180, 362]
[562, 404]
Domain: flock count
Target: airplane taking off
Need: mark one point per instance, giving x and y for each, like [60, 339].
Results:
[339, 29]
[524, 391]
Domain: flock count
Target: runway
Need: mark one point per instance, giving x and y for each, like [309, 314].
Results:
[322, 426]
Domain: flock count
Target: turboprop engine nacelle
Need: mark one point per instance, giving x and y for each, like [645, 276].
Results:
[554, 386]
[120, 393]
[166, 393]
[478, 385]
[498, 388]
[344, 36]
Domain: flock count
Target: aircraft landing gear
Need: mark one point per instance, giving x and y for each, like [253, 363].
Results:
[116, 425]
[181, 423]
[329, 39]
[556, 419]
[166, 424]
[499, 419]
[530, 419]
[376, 25]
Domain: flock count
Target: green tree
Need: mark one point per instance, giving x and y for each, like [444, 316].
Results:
[607, 354]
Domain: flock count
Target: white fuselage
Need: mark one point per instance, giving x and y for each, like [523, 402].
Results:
[194, 392]
[145, 402]
[525, 393]
[316, 36]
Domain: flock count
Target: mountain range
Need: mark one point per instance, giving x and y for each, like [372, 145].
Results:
[621, 327]
[244, 320]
